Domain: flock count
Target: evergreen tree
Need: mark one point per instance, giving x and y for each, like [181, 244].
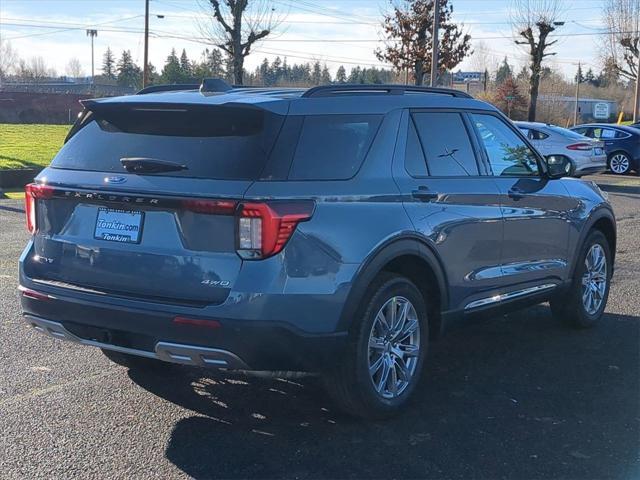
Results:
[325, 78]
[579, 77]
[185, 66]
[129, 74]
[341, 75]
[523, 75]
[504, 71]
[109, 65]
[590, 77]
[316, 75]
[171, 72]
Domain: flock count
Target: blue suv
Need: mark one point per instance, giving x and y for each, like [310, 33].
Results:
[336, 230]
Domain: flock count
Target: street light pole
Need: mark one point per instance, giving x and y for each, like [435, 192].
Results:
[145, 71]
[92, 33]
[435, 41]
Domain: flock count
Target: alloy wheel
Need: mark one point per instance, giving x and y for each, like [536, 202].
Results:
[594, 279]
[394, 347]
[619, 164]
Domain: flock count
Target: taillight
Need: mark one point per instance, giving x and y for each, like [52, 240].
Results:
[265, 228]
[33, 192]
[580, 146]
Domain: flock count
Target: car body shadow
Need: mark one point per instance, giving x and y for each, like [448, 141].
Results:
[517, 396]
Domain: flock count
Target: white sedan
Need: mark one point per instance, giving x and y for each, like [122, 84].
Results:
[586, 154]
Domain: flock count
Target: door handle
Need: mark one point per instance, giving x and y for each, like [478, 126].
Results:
[515, 193]
[424, 194]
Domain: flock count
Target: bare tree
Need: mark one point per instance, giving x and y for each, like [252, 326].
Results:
[38, 69]
[408, 44]
[482, 59]
[8, 58]
[622, 44]
[74, 68]
[532, 22]
[235, 26]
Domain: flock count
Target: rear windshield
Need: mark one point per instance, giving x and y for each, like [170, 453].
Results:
[226, 143]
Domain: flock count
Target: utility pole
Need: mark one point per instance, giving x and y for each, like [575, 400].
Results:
[575, 112]
[436, 43]
[145, 70]
[92, 33]
[636, 105]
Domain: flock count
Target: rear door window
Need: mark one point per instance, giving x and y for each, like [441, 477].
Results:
[446, 144]
[332, 147]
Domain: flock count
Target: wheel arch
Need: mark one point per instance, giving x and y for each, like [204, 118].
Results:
[409, 256]
[603, 220]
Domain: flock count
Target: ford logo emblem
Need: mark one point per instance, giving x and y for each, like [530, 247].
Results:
[115, 179]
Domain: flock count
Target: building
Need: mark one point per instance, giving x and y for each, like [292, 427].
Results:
[589, 109]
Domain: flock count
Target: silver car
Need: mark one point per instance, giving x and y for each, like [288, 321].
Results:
[586, 154]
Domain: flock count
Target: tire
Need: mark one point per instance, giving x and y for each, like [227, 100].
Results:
[575, 307]
[350, 383]
[619, 163]
[135, 362]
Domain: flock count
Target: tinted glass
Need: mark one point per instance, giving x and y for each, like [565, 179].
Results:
[214, 142]
[332, 147]
[583, 131]
[414, 158]
[507, 153]
[620, 134]
[446, 144]
[537, 135]
[604, 133]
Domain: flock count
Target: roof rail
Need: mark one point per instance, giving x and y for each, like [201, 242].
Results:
[365, 89]
[207, 85]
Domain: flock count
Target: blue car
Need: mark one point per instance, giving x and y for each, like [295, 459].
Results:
[337, 230]
[621, 143]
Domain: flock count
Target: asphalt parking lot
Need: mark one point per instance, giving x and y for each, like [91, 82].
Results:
[515, 396]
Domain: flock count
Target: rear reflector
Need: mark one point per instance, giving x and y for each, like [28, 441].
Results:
[197, 322]
[28, 293]
[265, 228]
[580, 146]
[33, 192]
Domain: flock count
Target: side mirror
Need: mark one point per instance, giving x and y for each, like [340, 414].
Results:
[558, 166]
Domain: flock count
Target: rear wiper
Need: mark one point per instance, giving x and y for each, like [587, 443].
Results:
[150, 165]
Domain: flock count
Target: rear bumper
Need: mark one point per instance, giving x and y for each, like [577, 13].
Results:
[169, 352]
[232, 344]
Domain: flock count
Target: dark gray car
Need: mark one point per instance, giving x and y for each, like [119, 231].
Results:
[336, 230]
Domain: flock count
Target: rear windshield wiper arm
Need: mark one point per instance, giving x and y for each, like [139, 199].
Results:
[150, 165]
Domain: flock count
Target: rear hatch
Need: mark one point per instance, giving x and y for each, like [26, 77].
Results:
[166, 232]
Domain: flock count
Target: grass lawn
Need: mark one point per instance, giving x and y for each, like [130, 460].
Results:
[27, 146]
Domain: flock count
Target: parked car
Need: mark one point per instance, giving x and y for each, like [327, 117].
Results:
[336, 230]
[635, 125]
[622, 144]
[587, 155]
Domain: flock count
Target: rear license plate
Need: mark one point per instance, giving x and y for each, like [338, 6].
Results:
[598, 151]
[124, 226]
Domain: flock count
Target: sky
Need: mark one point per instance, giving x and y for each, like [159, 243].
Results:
[338, 32]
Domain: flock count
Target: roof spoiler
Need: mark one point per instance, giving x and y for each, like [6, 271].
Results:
[209, 85]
